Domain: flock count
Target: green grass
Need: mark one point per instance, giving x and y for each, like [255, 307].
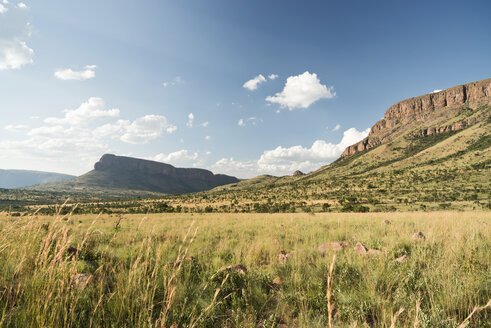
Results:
[164, 270]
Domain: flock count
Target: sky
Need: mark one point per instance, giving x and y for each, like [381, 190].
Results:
[237, 87]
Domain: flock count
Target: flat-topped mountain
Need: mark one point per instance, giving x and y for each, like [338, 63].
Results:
[120, 173]
[429, 111]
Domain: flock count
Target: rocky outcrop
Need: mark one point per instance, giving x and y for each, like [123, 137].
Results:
[120, 172]
[113, 162]
[298, 173]
[423, 109]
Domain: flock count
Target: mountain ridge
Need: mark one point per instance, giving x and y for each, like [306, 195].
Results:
[422, 109]
[120, 173]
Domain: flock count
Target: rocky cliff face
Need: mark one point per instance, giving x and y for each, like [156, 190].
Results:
[429, 108]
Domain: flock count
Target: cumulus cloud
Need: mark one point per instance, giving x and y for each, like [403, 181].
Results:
[14, 54]
[436, 91]
[73, 142]
[241, 122]
[147, 128]
[190, 121]
[14, 31]
[22, 5]
[336, 128]
[79, 75]
[252, 84]
[92, 109]
[301, 91]
[273, 76]
[285, 160]
[208, 138]
[205, 124]
[176, 157]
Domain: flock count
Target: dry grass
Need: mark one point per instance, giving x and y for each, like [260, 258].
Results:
[160, 270]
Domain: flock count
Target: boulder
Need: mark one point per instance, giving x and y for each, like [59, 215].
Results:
[80, 280]
[298, 173]
[333, 246]
[360, 249]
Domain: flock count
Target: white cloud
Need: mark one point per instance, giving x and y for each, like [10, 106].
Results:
[190, 120]
[273, 76]
[251, 120]
[436, 91]
[147, 128]
[301, 91]
[252, 84]
[285, 160]
[14, 54]
[68, 74]
[336, 128]
[205, 124]
[92, 109]
[177, 80]
[16, 128]
[208, 138]
[22, 5]
[3, 9]
[176, 157]
[73, 143]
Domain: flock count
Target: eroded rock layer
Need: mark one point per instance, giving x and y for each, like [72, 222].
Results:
[427, 110]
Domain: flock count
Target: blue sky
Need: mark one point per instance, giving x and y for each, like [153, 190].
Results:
[272, 86]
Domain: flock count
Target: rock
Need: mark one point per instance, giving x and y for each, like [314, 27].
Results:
[360, 249]
[374, 252]
[411, 112]
[418, 236]
[333, 246]
[402, 258]
[237, 268]
[387, 222]
[277, 281]
[80, 280]
[298, 173]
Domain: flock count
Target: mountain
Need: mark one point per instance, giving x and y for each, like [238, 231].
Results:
[433, 113]
[23, 178]
[431, 150]
[120, 174]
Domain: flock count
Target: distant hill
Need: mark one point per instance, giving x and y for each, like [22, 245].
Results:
[10, 179]
[118, 174]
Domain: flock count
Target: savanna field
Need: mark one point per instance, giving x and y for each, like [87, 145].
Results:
[246, 270]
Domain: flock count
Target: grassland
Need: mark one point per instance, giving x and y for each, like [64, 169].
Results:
[169, 270]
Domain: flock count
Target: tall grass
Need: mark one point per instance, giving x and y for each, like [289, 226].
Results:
[161, 271]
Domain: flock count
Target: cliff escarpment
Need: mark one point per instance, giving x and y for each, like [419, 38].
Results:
[118, 175]
[430, 112]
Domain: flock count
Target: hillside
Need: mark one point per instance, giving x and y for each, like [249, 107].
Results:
[118, 175]
[23, 178]
[429, 152]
